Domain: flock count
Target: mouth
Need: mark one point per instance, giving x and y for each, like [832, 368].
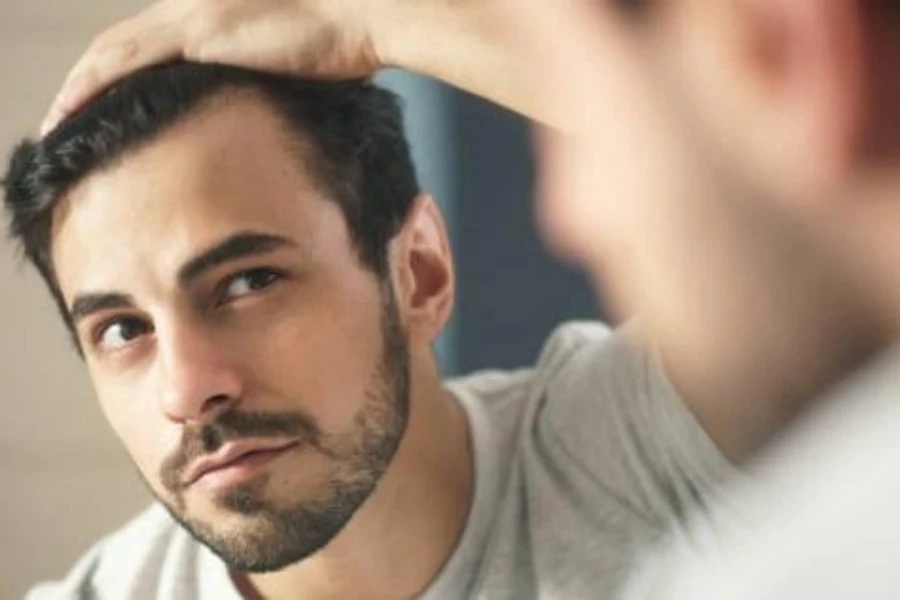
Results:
[236, 462]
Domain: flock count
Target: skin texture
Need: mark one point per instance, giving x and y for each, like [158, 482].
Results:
[296, 343]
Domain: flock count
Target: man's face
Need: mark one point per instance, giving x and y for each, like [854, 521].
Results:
[668, 187]
[686, 127]
[630, 191]
[632, 172]
[256, 372]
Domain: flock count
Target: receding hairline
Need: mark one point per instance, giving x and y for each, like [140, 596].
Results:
[230, 96]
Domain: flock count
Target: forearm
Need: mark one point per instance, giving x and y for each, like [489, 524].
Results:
[467, 44]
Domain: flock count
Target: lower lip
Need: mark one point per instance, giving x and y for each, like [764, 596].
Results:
[241, 469]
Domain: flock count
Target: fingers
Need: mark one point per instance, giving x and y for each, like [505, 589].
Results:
[152, 37]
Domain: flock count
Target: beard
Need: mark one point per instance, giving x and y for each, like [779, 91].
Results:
[276, 535]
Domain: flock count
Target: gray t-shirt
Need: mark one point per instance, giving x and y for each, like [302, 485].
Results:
[579, 462]
[815, 518]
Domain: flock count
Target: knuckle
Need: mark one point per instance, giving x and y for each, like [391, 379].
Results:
[105, 47]
[193, 41]
[123, 51]
[89, 79]
[98, 44]
[203, 26]
[204, 16]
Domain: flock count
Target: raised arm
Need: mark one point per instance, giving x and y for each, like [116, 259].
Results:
[463, 42]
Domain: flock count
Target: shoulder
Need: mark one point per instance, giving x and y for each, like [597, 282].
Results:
[588, 364]
[599, 387]
[608, 414]
[582, 365]
[569, 345]
[120, 563]
[814, 515]
[588, 381]
[605, 396]
[576, 336]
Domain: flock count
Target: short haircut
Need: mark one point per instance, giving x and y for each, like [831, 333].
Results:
[351, 133]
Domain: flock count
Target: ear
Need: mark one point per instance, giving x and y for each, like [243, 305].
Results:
[784, 86]
[422, 270]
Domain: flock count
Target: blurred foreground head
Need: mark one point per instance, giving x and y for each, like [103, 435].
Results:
[732, 172]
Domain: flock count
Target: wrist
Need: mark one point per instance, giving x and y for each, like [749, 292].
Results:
[394, 28]
[423, 35]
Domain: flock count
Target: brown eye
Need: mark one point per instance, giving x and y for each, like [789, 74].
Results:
[249, 282]
[118, 333]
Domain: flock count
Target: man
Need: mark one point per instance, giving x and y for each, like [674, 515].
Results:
[254, 280]
[701, 272]
[680, 170]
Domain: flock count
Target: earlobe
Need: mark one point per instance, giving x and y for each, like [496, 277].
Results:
[424, 270]
[830, 84]
[782, 82]
[822, 88]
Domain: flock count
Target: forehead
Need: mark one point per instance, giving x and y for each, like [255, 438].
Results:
[229, 167]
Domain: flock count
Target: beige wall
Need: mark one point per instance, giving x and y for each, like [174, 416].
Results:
[64, 479]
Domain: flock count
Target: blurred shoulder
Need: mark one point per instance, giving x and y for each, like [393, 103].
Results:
[119, 564]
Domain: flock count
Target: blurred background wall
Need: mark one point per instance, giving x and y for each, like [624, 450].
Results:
[65, 480]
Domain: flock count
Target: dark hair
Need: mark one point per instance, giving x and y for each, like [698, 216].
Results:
[352, 134]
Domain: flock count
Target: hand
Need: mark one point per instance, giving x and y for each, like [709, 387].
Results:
[316, 38]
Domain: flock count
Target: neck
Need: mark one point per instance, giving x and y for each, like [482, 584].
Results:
[867, 236]
[398, 541]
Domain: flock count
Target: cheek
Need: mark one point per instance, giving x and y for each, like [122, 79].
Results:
[138, 423]
[320, 357]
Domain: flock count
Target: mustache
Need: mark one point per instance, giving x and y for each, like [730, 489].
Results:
[197, 441]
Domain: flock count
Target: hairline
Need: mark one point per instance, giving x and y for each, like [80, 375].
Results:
[295, 142]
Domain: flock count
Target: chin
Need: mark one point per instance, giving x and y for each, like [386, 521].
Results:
[253, 531]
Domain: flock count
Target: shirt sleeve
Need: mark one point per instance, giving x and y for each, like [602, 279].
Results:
[621, 431]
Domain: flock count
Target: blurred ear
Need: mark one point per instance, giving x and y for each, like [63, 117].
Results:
[422, 268]
[782, 83]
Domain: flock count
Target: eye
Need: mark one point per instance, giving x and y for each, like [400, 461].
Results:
[248, 282]
[118, 333]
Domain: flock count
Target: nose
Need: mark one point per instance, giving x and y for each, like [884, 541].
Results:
[198, 379]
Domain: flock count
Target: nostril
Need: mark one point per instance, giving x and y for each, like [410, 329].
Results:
[217, 401]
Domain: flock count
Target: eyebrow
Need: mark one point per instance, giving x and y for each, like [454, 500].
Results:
[85, 305]
[234, 247]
